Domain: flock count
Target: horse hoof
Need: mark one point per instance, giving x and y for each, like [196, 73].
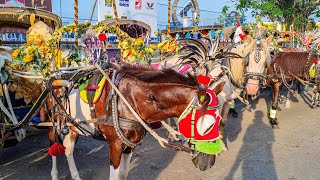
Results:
[274, 123]
[275, 126]
[233, 113]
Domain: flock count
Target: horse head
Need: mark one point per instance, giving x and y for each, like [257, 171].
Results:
[256, 60]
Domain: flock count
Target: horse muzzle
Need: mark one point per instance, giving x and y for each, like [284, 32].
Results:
[204, 161]
[252, 86]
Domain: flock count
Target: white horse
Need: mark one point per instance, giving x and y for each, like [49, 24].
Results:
[231, 73]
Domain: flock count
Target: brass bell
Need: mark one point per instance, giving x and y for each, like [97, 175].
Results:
[65, 130]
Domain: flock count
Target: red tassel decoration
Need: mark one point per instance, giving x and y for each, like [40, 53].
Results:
[205, 80]
[102, 37]
[315, 61]
[56, 150]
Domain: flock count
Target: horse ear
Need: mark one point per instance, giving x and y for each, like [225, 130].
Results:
[219, 88]
[202, 96]
[249, 39]
[269, 40]
[248, 47]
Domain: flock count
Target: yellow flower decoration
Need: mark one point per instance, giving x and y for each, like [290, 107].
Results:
[15, 53]
[138, 42]
[149, 50]
[28, 58]
[153, 46]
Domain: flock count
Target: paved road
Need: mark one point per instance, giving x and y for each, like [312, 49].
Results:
[255, 152]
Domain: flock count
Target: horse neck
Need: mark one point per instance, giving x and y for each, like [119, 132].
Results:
[154, 101]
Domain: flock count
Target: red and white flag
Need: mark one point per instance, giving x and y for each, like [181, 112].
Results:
[239, 34]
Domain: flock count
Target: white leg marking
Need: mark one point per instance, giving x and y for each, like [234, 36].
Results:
[114, 173]
[69, 145]
[125, 165]
[122, 171]
[54, 170]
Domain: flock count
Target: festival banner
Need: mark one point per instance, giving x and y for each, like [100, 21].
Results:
[15, 2]
[138, 4]
[124, 3]
[150, 5]
[107, 17]
[108, 3]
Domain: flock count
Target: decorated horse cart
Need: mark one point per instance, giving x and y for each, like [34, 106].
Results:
[87, 92]
[18, 94]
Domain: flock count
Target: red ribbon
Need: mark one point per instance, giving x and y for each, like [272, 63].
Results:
[205, 80]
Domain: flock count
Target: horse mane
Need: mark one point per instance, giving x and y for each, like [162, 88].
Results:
[236, 64]
[158, 76]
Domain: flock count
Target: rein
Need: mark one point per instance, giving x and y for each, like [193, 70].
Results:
[161, 140]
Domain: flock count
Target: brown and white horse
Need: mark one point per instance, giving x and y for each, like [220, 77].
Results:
[154, 95]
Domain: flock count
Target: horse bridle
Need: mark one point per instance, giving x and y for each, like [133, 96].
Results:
[254, 75]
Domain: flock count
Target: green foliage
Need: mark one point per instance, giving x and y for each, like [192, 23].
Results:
[231, 18]
[225, 10]
[284, 11]
[311, 25]
[5, 59]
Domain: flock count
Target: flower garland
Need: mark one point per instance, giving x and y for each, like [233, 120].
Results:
[37, 55]
[135, 50]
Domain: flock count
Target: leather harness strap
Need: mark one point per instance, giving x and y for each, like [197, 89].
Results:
[127, 124]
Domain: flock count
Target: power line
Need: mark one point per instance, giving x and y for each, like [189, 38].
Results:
[69, 18]
[161, 4]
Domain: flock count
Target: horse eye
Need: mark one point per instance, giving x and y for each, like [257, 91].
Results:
[208, 96]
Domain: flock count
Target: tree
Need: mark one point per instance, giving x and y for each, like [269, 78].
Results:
[284, 11]
[231, 18]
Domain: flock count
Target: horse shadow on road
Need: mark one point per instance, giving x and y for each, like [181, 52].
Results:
[255, 157]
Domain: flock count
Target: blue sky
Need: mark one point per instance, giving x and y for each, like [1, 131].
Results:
[85, 8]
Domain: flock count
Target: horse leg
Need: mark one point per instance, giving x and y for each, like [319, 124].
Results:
[119, 162]
[54, 170]
[315, 97]
[224, 115]
[273, 109]
[125, 163]
[318, 99]
[68, 143]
